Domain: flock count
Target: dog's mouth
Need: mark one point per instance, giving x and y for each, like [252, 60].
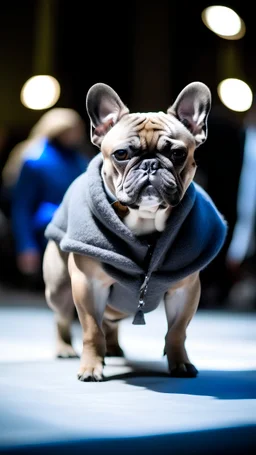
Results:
[150, 195]
[150, 183]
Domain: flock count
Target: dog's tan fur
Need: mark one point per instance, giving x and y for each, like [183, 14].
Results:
[179, 306]
[75, 279]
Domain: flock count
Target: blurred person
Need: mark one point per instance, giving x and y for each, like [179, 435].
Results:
[241, 254]
[37, 174]
[219, 165]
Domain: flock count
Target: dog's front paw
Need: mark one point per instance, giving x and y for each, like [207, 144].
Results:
[91, 373]
[183, 370]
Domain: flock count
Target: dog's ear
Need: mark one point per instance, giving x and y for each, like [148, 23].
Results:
[105, 109]
[192, 107]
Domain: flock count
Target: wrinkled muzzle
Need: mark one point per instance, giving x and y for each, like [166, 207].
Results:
[149, 183]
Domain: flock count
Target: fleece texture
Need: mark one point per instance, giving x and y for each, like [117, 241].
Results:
[86, 223]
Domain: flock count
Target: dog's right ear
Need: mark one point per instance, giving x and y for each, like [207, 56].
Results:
[105, 109]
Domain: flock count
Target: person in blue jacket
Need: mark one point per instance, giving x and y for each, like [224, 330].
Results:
[50, 161]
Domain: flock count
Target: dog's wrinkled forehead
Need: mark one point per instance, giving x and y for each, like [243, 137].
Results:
[147, 131]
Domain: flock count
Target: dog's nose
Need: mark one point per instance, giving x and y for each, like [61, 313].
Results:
[150, 165]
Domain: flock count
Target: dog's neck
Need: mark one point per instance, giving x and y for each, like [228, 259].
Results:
[144, 220]
[147, 220]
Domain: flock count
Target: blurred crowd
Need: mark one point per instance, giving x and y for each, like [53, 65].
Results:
[227, 170]
[36, 172]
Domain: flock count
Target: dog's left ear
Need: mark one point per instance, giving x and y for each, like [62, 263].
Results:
[105, 109]
[192, 107]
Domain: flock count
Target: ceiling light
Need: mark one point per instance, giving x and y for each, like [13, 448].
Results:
[40, 92]
[223, 21]
[235, 94]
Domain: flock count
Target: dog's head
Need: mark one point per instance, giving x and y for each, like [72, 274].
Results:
[148, 157]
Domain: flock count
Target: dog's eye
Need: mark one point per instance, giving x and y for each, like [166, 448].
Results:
[121, 155]
[178, 155]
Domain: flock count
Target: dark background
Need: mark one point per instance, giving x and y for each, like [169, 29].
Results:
[147, 51]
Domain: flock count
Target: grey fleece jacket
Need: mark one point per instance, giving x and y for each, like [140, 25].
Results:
[87, 224]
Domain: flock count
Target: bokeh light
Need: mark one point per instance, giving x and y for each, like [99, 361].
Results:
[235, 94]
[40, 92]
[223, 21]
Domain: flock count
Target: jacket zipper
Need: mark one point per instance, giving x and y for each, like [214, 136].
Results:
[144, 286]
[139, 315]
[143, 291]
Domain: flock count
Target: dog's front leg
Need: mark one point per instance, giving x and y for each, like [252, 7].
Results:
[90, 290]
[181, 302]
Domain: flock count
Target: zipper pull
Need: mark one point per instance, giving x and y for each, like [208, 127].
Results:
[139, 317]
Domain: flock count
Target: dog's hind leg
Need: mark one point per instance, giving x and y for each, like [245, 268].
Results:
[59, 297]
[181, 302]
[111, 333]
[111, 321]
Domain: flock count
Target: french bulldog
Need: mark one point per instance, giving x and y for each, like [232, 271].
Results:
[134, 230]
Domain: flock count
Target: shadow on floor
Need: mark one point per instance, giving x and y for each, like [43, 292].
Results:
[228, 385]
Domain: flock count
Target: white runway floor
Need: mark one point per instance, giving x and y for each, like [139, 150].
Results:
[42, 403]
